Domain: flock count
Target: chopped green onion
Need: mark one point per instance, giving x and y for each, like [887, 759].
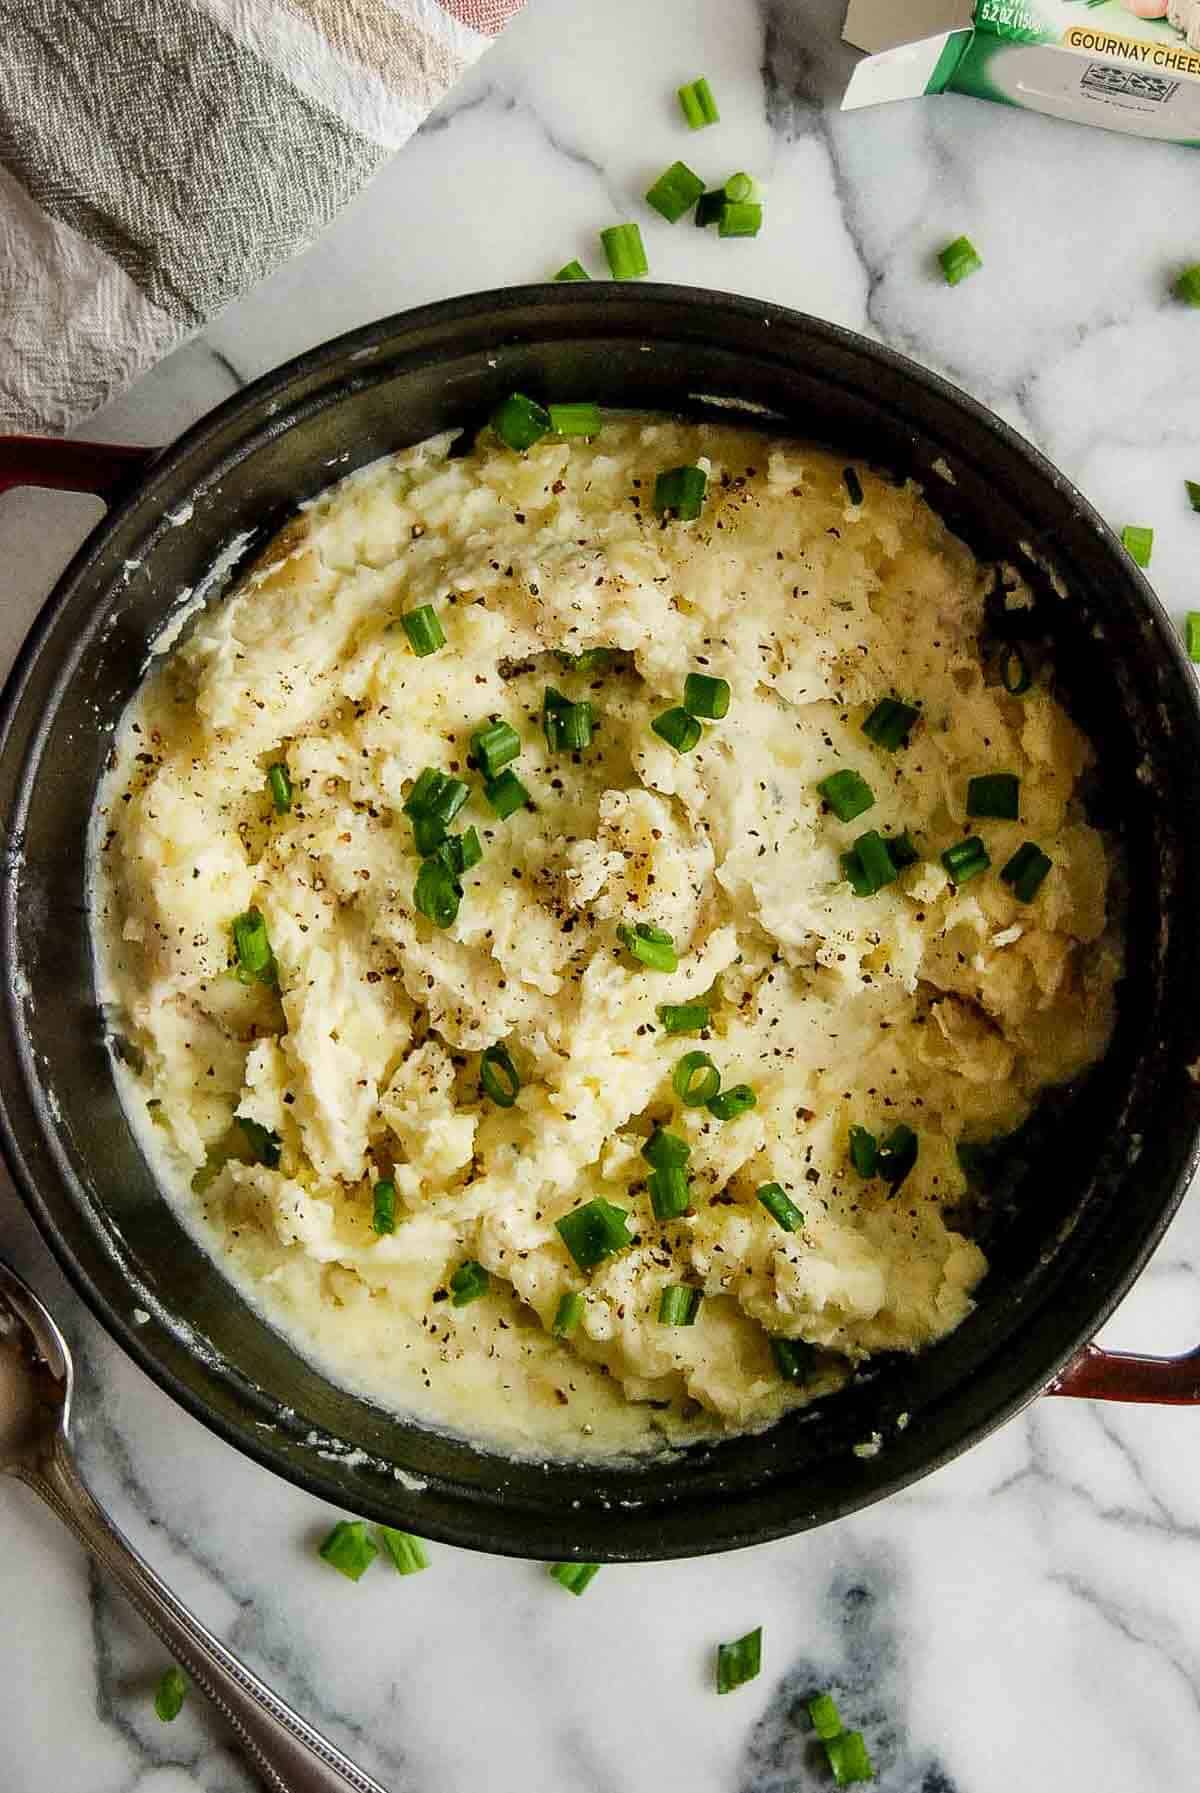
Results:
[567, 726]
[780, 1207]
[568, 1314]
[890, 723]
[1193, 492]
[679, 1305]
[709, 207]
[849, 1759]
[435, 894]
[876, 862]
[902, 850]
[575, 1577]
[699, 106]
[740, 187]
[897, 1154]
[170, 1693]
[423, 629]
[653, 946]
[847, 794]
[854, 875]
[966, 859]
[864, 1151]
[252, 949]
[826, 1719]
[853, 485]
[575, 420]
[669, 1193]
[493, 745]
[683, 1017]
[383, 1217]
[729, 1103]
[675, 192]
[1192, 636]
[1187, 285]
[959, 259]
[436, 794]
[594, 1231]
[350, 1548]
[406, 1552]
[680, 491]
[264, 1142]
[429, 834]
[678, 729]
[793, 1358]
[706, 697]
[425, 789]
[666, 1151]
[696, 1079]
[625, 251]
[592, 659]
[468, 1283]
[499, 1076]
[520, 422]
[459, 853]
[506, 794]
[995, 795]
[573, 270]
[739, 220]
[739, 1662]
[1139, 543]
[1026, 871]
[280, 786]
[1015, 675]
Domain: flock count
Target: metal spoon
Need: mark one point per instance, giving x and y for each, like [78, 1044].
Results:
[36, 1379]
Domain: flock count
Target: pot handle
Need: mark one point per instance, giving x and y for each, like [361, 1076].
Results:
[1101, 1375]
[105, 468]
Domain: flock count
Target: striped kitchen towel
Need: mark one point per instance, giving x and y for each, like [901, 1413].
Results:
[157, 157]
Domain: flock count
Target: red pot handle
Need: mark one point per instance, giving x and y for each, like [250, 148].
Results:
[105, 468]
[1125, 1376]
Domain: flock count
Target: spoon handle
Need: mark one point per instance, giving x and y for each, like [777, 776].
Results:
[289, 1755]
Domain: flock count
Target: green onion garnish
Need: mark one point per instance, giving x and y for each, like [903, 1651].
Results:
[625, 251]
[709, 207]
[864, 1151]
[567, 726]
[264, 1142]
[459, 853]
[406, 1552]
[350, 1548]
[781, 1207]
[853, 485]
[567, 1315]
[696, 1079]
[653, 946]
[1015, 675]
[1191, 635]
[279, 785]
[506, 794]
[383, 1217]
[468, 1283]
[793, 1358]
[679, 492]
[594, 1231]
[666, 1151]
[740, 187]
[169, 1694]
[706, 697]
[876, 866]
[423, 629]
[854, 875]
[675, 192]
[847, 794]
[890, 723]
[678, 729]
[897, 1154]
[679, 1305]
[575, 420]
[729, 1103]
[849, 1759]
[699, 106]
[572, 270]
[739, 220]
[1139, 543]
[426, 786]
[493, 745]
[1187, 285]
[669, 1193]
[1193, 492]
[429, 834]
[966, 859]
[252, 949]
[1026, 871]
[995, 795]
[959, 259]
[575, 1577]
[826, 1719]
[902, 850]
[499, 1076]
[739, 1662]
[436, 794]
[520, 422]
[436, 894]
[683, 1017]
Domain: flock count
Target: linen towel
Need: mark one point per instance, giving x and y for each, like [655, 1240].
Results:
[157, 157]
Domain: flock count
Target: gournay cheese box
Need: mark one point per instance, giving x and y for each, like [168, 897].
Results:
[1126, 65]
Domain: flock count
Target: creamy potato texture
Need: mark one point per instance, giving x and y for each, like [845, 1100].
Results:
[946, 1009]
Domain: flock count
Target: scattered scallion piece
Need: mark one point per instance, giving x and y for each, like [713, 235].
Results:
[705, 696]
[727, 1104]
[847, 794]
[678, 1305]
[252, 949]
[678, 729]
[995, 796]
[458, 853]
[853, 485]
[877, 867]
[594, 1231]
[897, 1154]
[668, 1191]
[741, 187]
[959, 259]
[406, 1551]
[699, 106]
[666, 1151]
[793, 1358]
[625, 252]
[383, 1216]
[679, 492]
[826, 1719]
[1026, 871]
[436, 894]
[170, 1693]
[849, 1759]
[1015, 675]
[890, 723]
[575, 420]
[653, 946]
[675, 192]
[568, 1314]
[566, 726]
[695, 1079]
[1187, 284]
[683, 1017]
[520, 422]
[493, 746]
[780, 1207]
[708, 207]
[573, 270]
[264, 1142]
[1139, 543]
[739, 1662]
[468, 1283]
[426, 786]
[499, 1076]
[742, 219]
[1191, 636]
[436, 794]
[350, 1548]
[279, 784]
[506, 794]
[429, 833]
[575, 1577]
[424, 631]
[1193, 492]
[966, 859]
[864, 1151]
[854, 875]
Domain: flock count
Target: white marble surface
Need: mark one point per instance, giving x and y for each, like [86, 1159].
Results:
[1027, 1618]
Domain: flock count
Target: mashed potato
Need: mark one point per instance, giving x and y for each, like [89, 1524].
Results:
[355, 1057]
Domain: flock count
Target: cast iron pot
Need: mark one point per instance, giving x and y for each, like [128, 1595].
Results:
[1094, 1187]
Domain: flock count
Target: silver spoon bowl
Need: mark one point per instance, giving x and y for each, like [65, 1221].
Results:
[36, 1382]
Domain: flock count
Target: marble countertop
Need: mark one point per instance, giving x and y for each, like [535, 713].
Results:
[1028, 1617]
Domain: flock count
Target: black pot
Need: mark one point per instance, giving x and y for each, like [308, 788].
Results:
[1088, 1201]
